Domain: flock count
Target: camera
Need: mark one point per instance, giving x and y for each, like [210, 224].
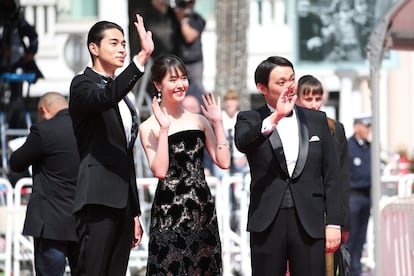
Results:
[183, 4]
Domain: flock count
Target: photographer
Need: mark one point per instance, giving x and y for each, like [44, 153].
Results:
[190, 47]
[18, 46]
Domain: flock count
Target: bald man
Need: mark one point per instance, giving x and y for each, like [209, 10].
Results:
[51, 150]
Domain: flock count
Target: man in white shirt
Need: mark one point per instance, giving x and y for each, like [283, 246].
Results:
[295, 196]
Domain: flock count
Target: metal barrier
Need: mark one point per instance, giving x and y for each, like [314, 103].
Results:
[231, 198]
[232, 201]
[22, 245]
[6, 225]
[405, 185]
[397, 241]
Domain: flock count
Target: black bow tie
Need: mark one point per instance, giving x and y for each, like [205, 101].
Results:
[106, 80]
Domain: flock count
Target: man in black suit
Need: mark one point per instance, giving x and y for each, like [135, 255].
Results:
[106, 124]
[51, 150]
[295, 196]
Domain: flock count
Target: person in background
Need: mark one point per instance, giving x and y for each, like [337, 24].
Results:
[310, 95]
[190, 49]
[18, 47]
[51, 150]
[184, 235]
[192, 104]
[161, 20]
[295, 193]
[310, 35]
[105, 122]
[360, 184]
[239, 163]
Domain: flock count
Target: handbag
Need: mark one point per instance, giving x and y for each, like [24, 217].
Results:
[344, 262]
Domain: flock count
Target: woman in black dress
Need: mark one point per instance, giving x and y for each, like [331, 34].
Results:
[184, 237]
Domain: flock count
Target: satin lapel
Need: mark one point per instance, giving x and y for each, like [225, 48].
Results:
[277, 147]
[303, 143]
[135, 121]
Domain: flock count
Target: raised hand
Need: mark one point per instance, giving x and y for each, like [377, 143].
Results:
[145, 37]
[286, 101]
[160, 115]
[210, 108]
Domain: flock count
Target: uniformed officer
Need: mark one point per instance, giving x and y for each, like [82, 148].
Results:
[360, 183]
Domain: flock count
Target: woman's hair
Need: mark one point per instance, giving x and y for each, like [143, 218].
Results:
[309, 85]
[166, 64]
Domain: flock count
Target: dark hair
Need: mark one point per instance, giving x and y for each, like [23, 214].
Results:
[96, 32]
[166, 64]
[8, 6]
[262, 73]
[309, 85]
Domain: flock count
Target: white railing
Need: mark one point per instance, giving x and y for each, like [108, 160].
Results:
[397, 216]
[6, 225]
[231, 219]
[397, 239]
[232, 223]
[22, 245]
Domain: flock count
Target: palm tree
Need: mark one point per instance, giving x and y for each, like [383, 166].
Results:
[232, 21]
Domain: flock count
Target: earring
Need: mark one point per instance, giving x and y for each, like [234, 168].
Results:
[159, 97]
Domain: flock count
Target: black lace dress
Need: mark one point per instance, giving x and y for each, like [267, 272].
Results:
[184, 237]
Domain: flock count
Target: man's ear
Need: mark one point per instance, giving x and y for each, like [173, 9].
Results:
[261, 88]
[93, 49]
[43, 112]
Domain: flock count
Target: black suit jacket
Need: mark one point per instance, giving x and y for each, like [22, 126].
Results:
[314, 184]
[51, 150]
[107, 171]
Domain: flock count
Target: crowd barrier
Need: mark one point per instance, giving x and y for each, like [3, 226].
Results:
[6, 224]
[231, 198]
[397, 241]
[232, 201]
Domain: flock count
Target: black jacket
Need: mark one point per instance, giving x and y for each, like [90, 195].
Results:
[51, 150]
[107, 170]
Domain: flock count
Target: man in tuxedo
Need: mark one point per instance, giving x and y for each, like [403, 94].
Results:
[106, 124]
[51, 150]
[295, 195]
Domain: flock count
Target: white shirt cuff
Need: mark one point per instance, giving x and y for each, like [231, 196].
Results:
[267, 127]
[139, 66]
[333, 226]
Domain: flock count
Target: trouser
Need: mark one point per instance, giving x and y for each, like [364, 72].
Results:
[286, 240]
[105, 237]
[360, 206]
[50, 256]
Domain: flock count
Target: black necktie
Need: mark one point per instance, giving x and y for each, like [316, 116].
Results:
[135, 121]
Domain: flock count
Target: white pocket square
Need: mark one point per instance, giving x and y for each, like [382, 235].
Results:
[314, 138]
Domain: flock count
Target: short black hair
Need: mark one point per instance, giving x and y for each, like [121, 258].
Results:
[96, 32]
[262, 73]
[164, 64]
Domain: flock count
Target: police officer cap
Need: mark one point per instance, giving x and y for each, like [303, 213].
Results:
[364, 119]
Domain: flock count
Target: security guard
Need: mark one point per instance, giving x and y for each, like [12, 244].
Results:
[360, 184]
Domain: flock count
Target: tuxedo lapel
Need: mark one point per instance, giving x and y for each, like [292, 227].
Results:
[303, 143]
[275, 142]
[277, 147]
[135, 121]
